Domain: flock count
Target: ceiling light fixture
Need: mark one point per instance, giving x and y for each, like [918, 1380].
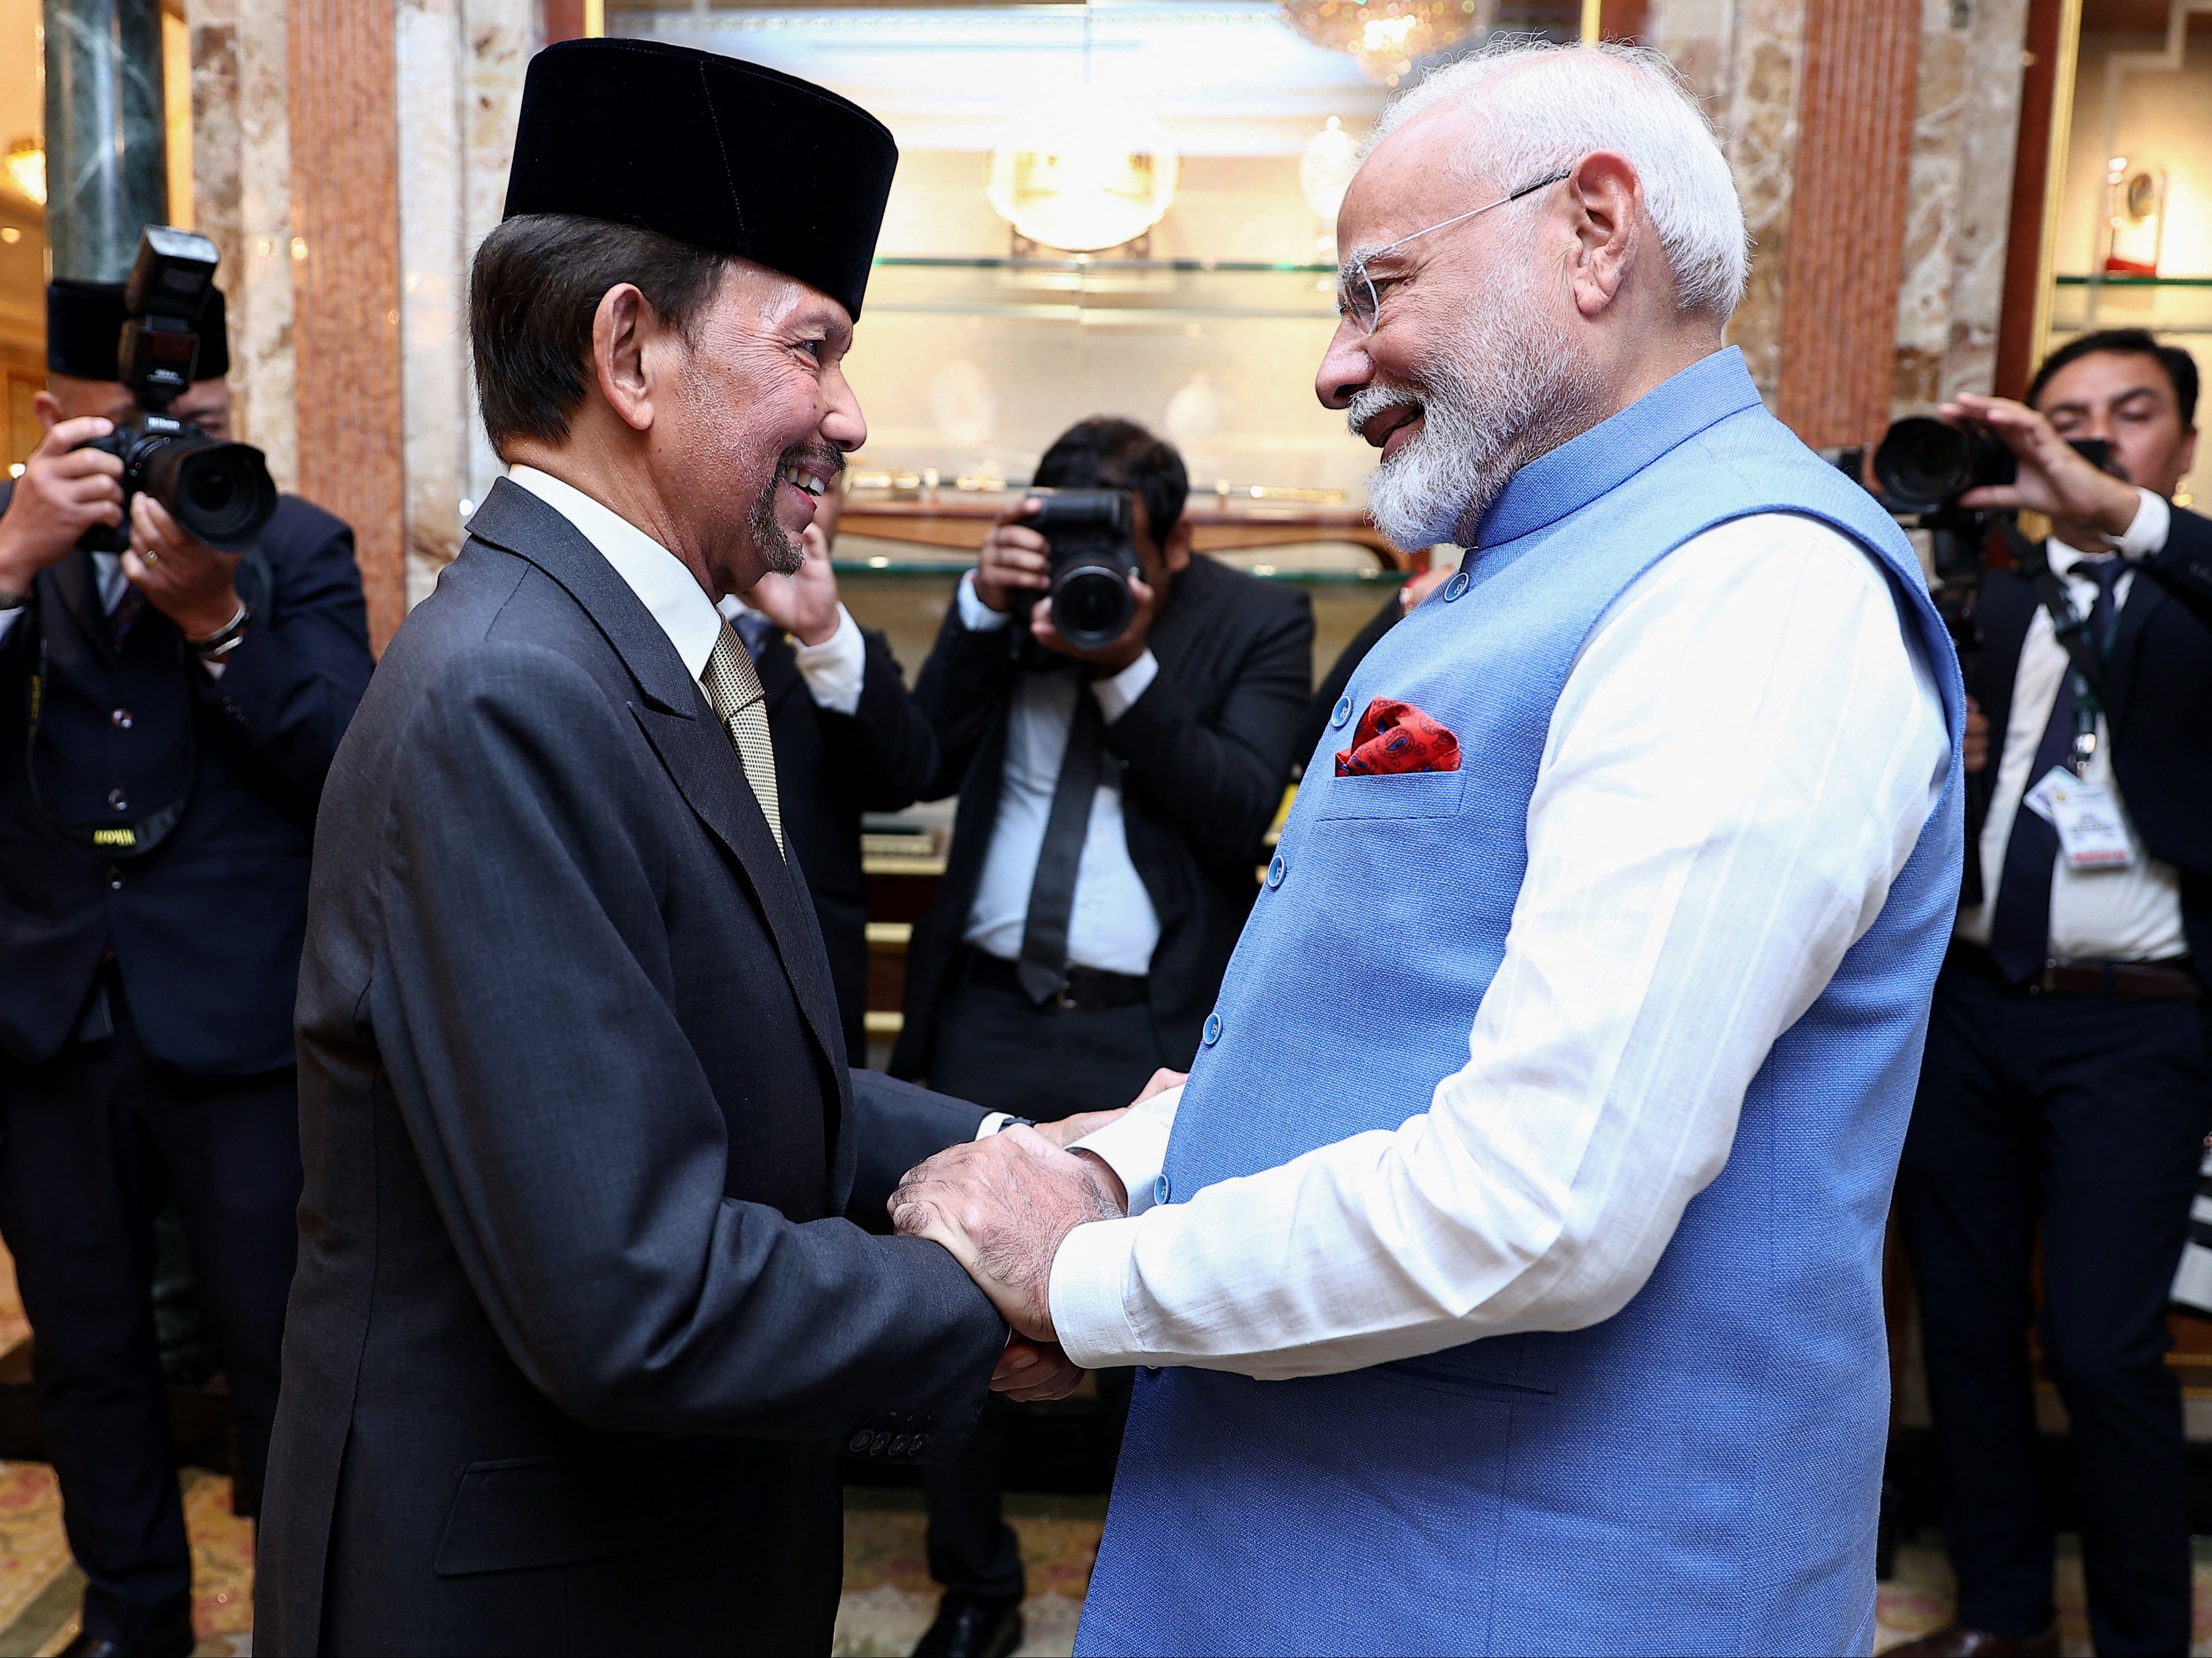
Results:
[1085, 171]
[27, 168]
[1387, 38]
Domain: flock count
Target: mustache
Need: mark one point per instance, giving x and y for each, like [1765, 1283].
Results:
[819, 454]
[1372, 400]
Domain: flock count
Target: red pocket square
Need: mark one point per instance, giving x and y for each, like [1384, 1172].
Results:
[1397, 737]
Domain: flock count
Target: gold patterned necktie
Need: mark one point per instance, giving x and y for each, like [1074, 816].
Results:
[733, 685]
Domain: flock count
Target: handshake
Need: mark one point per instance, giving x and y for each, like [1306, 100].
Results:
[1001, 1205]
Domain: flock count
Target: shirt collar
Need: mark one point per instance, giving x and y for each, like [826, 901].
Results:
[656, 575]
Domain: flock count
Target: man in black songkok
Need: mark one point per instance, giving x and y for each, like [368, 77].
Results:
[579, 1330]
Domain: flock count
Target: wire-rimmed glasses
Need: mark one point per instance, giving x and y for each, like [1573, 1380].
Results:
[1357, 298]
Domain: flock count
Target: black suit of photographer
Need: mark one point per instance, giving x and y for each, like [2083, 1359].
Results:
[1203, 755]
[830, 769]
[146, 1012]
[2077, 1118]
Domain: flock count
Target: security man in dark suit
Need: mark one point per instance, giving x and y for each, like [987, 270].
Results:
[578, 1330]
[1103, 860]
[167, 718]
[849, 738]
[2068, 1082]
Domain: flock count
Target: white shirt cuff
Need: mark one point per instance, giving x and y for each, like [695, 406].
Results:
[1116, 696]
[834, 669]
[992, 1123]
[1086, 1294]
[1135, 1146]
[2146, 533]
[975, 615]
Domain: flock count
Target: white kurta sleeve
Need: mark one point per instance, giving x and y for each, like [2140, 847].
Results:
[1741, 762]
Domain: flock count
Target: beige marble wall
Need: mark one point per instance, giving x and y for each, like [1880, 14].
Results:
[1745, 58]
[1742, 56]
[1965, 121]
[460, 67]
[241, 197]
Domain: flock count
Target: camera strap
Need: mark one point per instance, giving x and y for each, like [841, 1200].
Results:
[132, 840]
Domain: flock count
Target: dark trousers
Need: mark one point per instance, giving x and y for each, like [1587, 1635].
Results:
[91, 1145]
[997, 1048]
[2082, 1116]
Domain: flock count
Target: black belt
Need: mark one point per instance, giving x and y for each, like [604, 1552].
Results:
[2173, 979]
[1082, 989]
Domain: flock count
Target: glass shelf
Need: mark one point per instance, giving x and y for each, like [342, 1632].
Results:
[1144, 294]
[2167, 305]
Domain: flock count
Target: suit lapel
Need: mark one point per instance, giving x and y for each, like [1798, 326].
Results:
[2146, 598]
[682, 731]
[779, 669]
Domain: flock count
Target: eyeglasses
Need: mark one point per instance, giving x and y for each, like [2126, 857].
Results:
[1357, 298]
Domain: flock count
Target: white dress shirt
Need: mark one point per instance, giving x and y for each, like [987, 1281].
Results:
[660, 580]
[1112, 926]
[1742, 759]
[2131, 915]
[107, 575]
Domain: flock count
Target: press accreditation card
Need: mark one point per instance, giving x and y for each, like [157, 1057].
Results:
[2091, 831]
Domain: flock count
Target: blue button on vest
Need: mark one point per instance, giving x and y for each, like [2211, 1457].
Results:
[1698, 1474]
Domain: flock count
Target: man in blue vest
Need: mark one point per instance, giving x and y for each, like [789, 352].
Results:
[1507, 1271]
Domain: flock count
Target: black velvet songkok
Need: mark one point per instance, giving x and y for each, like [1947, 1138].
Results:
[84, 325]
[718, 153]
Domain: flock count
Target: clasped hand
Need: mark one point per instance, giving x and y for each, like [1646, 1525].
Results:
[1001, 1206]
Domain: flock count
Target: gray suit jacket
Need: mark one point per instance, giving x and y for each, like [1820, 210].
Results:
[578, 1331]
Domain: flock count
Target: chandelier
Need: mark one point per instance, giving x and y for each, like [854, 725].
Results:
[1085, 172]
[1387, 38]
[27, 168]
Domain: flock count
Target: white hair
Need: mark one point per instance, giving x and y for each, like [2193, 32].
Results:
[1540, 108]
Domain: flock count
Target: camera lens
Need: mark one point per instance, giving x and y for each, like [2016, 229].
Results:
[1091, 606]
[1923, 464]
[219, 492]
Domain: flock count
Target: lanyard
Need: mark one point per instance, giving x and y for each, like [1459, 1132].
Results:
[132, 840]
[2086, 657]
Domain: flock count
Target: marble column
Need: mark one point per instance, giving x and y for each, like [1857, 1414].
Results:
[106, 143]
[1966, 122]
[242, 200]
[461, 65]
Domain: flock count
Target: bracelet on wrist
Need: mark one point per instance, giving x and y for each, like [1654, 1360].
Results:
[222, 643]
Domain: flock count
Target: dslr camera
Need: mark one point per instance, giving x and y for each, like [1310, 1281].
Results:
[219, 492]
[1921, 468]
[1091, 538]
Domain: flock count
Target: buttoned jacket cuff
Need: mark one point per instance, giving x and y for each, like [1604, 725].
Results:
[975, 615]
[2146, 533]
[1118, 695]
[1088, 1292]
[1135, 1146]
[834, 669]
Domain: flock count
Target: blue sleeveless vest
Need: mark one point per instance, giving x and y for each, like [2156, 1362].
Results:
[1698, 1474]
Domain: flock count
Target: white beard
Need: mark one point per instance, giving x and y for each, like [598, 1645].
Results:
[1506, 386]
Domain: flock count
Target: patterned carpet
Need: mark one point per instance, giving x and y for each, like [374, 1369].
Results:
[888, 1598]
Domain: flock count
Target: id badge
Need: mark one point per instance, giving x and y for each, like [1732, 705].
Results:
[2092, 833]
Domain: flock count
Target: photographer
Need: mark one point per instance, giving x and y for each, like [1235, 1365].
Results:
[849, 738]
[2067, 1083]
[1103, 858]
[167, 716]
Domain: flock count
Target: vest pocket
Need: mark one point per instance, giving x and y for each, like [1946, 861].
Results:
[1391, 794]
